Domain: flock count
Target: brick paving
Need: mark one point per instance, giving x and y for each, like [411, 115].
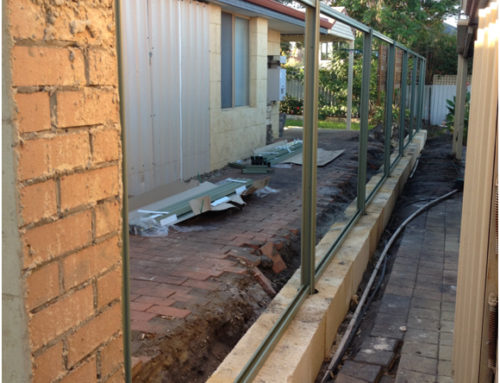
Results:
[165, 270]
[178, 276]
[416, 311]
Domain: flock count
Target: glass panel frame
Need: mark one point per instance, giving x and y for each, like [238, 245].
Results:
[310, 274]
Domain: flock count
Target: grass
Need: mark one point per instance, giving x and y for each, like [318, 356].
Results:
[324, 124]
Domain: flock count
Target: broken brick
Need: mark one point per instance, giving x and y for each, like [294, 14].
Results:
[245, 257]
[278, 245]
[252, 244]
[264, 282]
[270, 252]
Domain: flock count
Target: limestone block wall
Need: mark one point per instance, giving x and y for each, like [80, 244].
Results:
[62, 179]
[235, 132]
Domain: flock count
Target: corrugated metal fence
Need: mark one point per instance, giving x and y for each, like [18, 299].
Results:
[435, 97]
[166, 91]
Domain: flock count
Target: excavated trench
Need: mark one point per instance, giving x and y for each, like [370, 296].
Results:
[195, 346]
[190, 349]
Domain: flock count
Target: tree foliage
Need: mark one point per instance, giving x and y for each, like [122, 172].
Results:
[416, 23]
[404, 21]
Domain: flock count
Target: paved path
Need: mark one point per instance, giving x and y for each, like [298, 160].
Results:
[412, 335]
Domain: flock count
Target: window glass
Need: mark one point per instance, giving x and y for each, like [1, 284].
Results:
[227, 60]
[241, 62]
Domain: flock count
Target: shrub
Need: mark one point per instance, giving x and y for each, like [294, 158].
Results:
[331, 111]
[377, 115]
[450, 117]
[291, 105]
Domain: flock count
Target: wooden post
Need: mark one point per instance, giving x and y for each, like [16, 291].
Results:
[458, 128]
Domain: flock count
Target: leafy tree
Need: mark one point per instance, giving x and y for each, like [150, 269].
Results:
[404, 21]
[416, 23]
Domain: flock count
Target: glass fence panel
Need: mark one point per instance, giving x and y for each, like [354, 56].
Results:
[368, 108]
[376, 145]
[338, 138]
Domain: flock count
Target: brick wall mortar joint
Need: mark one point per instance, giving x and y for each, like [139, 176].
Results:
[69, 172]
[65, 294]
[63, 337]
[114, 371]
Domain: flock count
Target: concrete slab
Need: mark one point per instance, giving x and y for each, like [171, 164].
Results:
[420, 349]
[407, 376]
[382, 358]
[418, 363]
[362, 371]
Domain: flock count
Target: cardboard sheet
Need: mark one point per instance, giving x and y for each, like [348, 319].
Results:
[324, 157]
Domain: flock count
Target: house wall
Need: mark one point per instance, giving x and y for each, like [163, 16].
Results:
[62, 176]
[274, 49]
[235, 132]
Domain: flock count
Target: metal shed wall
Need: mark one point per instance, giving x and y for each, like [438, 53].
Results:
[478, 259]
[166, 87]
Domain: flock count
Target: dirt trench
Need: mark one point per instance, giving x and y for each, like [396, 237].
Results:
[190, 349]
[195, 346]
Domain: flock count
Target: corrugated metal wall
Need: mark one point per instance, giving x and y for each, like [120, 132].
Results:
[478, 259]
[166, 88]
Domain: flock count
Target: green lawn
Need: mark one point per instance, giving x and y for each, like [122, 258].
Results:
[324, 124]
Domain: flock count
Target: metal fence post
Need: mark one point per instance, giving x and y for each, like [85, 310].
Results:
[363, 130]
[389, 90]
[421, 88]
[308, 272]
[413, 95]
[402, 105]
[310, 137]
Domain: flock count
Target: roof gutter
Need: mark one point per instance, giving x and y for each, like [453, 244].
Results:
[270, 13]
[278, 7]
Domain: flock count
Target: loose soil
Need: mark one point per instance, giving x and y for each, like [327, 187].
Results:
[190, 349]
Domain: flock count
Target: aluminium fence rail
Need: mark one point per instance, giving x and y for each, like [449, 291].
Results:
[309, 271]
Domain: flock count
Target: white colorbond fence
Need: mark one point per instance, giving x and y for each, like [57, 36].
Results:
[435, 97]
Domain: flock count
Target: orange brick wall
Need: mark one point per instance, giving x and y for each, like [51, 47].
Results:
[63, 65]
